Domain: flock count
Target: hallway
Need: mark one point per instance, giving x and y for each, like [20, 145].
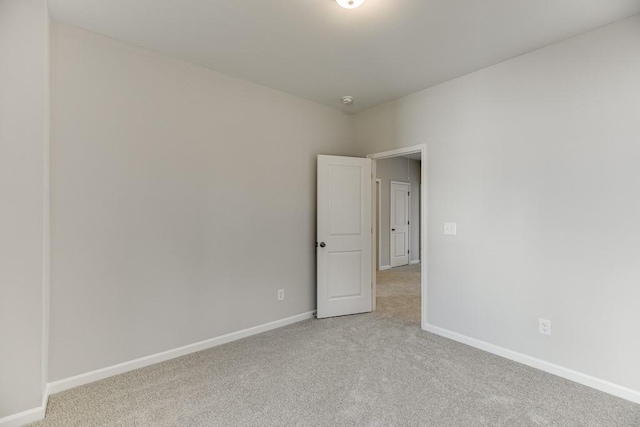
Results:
[398, 293]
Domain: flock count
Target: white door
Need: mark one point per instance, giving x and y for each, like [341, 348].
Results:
[344, 257]
[399, 223]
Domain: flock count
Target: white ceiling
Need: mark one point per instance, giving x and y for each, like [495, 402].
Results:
[317, 50]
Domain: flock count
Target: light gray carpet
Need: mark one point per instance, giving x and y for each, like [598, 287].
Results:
[398, 293]
[375, 369]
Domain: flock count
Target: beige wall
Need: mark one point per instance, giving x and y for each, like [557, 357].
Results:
[536, 160]
[403, 170]
[23, 148]
[182, 200]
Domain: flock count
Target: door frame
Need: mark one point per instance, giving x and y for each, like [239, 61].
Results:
[379, 215]
[422, 149]
[408, 184]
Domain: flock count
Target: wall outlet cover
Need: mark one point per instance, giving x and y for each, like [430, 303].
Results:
[544, 326]
[280, 294]
[450, 228]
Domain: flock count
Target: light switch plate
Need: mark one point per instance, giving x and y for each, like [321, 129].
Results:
[450, 228]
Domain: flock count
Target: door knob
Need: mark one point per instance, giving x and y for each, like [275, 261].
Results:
[322, 244]
[393, 229]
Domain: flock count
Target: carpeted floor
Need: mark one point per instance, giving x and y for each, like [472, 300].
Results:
[376, 369]
[398, 293]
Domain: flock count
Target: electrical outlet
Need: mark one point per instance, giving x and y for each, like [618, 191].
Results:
[450, 228]
[545, 326]
[280, 294]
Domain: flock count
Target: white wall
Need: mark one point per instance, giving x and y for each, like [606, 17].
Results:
[403, 170]
[23, 147]
[182, 199]
[536, 159]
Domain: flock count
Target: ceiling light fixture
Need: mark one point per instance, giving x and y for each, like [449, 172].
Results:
[350, 4]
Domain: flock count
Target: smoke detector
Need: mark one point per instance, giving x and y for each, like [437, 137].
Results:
[347, 100]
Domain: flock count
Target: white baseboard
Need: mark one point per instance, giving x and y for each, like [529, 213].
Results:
[24, 417]
[99, 374]
[37, 414]
[569, 374]
[388, 267]
[29, 416]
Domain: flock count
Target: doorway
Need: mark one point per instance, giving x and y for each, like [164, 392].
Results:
[349, 245]
[399, 243]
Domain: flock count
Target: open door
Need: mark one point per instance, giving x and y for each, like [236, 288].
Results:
[344, 258]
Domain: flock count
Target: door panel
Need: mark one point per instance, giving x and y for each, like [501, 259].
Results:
[344, 200]
[400, 244]
[344, 274]
[399, 223]
[344, 236]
